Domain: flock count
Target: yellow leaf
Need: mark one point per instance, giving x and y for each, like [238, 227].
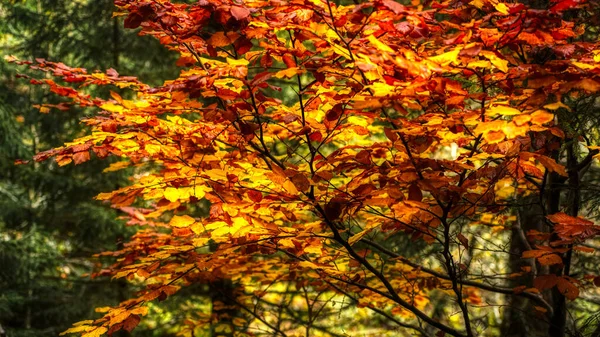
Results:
[220, 231]
[199, 242]
[502, 8]
[172, 194]
[143, 311]
[126, 145]
[120, 317]
[479, 64]
[356, 237]
[477, 3]
[286, 243]
[152, 149]
[96, 333]
[556, 106]
[289, 73]
[239, 62]
[89, 321]
[313, 250]
[117, 166]
[498, 62]
[290, 187]
[112, 107]
[380, 45]
[381, 89]
[308, 264]
[340, 50]
[181, 221]
[446, 58]
[75, 329]
[583, 65]
[198, 192]
[503, 110]
[216, 225]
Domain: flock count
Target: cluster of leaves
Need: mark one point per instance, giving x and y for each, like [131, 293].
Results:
[425, 121]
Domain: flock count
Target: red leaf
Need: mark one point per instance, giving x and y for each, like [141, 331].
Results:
[261, 77]
[393, 136]
[544, 282]
[316, 136]
[564, 5]
[364, 157]
[414, 192]
[301, 182]
[131, 322]
[363, 190]
[255, 196]
[289, 61]
[239, 13]
[133, 20]
[394, 6]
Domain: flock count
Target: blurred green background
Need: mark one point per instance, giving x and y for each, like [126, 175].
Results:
[49, 223]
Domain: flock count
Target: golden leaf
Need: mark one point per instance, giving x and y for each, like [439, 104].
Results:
[172, 194]
[112, 107]
[96, 333]
[446, 58]
[503, 110]
[75, 329]
[181, 221]
[502, 8]
[556, 106]
[289, 73]
[379, 45]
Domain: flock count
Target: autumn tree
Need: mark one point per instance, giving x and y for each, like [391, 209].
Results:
[368, 166]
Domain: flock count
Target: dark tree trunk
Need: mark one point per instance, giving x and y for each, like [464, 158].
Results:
[225, 308]
[519, 315]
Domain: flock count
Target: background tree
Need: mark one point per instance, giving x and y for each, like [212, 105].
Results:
[429, 122]
[49, 223]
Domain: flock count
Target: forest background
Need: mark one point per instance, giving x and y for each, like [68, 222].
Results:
[50, 224]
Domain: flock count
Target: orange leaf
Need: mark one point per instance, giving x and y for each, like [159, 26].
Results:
[219, 39]
[568, 227]
[131, 322]
[549, 259]
[541, 117]
[552, 165]
[81, 157]
[567, 288]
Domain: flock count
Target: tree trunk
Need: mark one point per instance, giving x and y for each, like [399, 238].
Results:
[224, 308]
[519, 319]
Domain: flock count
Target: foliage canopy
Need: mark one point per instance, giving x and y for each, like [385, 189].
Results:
[360, 163]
